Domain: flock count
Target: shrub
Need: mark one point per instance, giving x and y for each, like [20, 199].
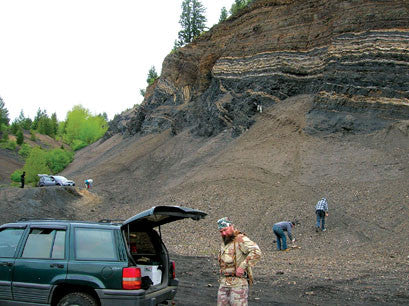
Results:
[36, 163]
[78, 144]
[9, 145]
[25, 150]
[33, 135]
[16, 175]
[58, 159]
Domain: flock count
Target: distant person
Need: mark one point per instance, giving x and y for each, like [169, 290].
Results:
[22, 178]
[258, 106]
[237, 255]
[88, 183]
[279, 229]
[321, 210]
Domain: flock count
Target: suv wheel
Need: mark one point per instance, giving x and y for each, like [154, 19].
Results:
[77, 299]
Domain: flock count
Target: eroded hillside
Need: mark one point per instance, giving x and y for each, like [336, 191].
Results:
[352, 55]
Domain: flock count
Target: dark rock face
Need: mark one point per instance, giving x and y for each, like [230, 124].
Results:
[351, 54]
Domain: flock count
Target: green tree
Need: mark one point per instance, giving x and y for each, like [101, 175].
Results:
[14, 127]
[223, 14]
[20, 137]
[238, 5]
[45, 125]
[142, 92]
[104, 115]
[4, 115]
[152, 75]
[58, 159]
[24, 122]
[75, 118]
[33, 135]
[81, 128]
[5, 136]
[91, 129]
[54, 124]
[37, 118]
[192, 20]
[36, 163]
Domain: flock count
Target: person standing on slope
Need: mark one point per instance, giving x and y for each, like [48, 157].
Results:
[237, 255]
[22, 179]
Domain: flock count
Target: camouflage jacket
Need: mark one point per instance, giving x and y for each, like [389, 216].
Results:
[247, 254]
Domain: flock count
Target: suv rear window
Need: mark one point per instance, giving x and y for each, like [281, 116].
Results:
[45, 243]
[9, 239]
[95, 244]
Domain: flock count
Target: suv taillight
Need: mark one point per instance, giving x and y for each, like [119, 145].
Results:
[131, 278]
[173, 271]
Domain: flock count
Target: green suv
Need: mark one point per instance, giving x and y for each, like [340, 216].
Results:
[65, 262]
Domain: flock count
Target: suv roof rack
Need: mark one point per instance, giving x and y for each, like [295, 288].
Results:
[39, 219]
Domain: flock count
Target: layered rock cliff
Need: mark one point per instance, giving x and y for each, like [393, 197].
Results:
[351, 55]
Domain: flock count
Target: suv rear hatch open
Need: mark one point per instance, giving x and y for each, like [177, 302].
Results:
[160, 215]
[145, 246]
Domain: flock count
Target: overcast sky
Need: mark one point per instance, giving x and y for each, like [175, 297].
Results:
[55, 54]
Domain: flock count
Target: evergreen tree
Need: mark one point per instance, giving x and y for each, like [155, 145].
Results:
[40, 114]
[14, 127]
[45, 126]
[192, 21]
[20, 117]
[223, 14]
[54, 124]
[24, 122]
[4, 115]
[152, 75]
[104, 115]
[33, 135]
[19, 137]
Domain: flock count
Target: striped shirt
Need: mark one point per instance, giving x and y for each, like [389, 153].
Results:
[322, 205]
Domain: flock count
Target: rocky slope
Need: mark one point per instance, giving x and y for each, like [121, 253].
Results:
[352, 55]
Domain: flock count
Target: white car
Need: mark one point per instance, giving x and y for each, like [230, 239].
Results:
[54, 180]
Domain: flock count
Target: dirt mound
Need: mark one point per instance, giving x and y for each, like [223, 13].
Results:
[47, 202]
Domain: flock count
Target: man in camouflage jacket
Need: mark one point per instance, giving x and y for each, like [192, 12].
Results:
[238, 254]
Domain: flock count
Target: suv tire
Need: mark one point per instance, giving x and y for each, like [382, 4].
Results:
[77, 299]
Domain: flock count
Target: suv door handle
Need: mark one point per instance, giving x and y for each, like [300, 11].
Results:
[8, 264]
[60, 266]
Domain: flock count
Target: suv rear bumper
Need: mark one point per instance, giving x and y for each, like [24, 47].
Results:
[110, 297]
